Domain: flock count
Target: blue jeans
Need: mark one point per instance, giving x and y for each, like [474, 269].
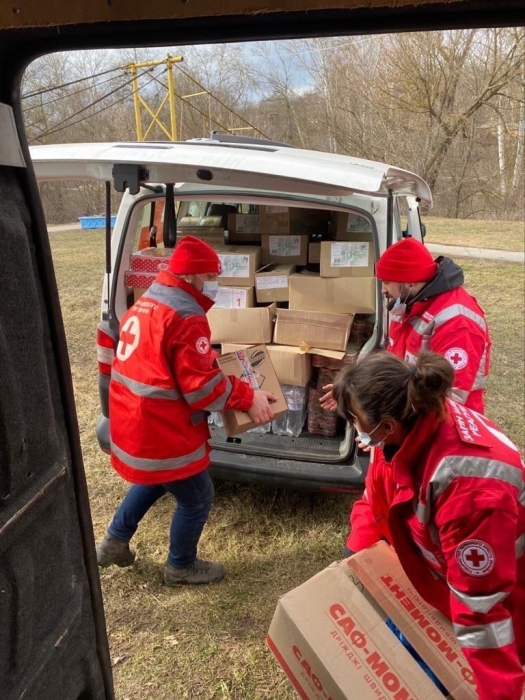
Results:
[194, 497]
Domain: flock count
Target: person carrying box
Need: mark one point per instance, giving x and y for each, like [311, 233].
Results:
[450, 499]
[164, 382]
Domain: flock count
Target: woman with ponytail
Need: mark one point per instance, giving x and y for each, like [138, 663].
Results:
[449, 495]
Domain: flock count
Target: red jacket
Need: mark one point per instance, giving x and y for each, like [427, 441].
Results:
[452, 503]
[163, 382]
[449, 321]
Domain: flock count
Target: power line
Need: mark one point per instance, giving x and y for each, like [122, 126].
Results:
[69, 94]
[72, 82]
[98, 111]
[188, 104]
[220, 102]
[92, 104]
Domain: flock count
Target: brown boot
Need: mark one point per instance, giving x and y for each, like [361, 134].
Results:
[200, 571]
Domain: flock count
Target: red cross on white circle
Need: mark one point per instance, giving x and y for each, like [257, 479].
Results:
[475, 557]
[457, 357]
[129, 338]
[203, 345]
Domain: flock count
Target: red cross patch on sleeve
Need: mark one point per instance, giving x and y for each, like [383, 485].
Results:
[203, 345]
[475, 557]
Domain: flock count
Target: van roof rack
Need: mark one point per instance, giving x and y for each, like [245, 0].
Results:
[243, 140]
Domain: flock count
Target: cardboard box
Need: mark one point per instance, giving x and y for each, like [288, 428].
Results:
[342, 225]
[239, 265]
[340, 295]
[235, 298]
[354, 258]
[334, 645]
[312, 329]
[250, 326]
[291, 365]
[314, 253]
[290, 250]
[212, 236]
[244, 228]
[285, 220]
[254, 366]
[271, 283]
[428, 631]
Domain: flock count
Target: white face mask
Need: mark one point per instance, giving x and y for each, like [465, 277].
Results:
[398, 311]
[366, 438]
[210, 289]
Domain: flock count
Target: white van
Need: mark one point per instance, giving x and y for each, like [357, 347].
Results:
[194, 180]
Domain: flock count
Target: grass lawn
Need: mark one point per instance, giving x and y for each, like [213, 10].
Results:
[208, 643]
[499, 235]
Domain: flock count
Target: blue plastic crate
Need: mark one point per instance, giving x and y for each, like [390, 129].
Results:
[95, 221]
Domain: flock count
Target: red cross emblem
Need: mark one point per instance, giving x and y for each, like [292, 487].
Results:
[203, 345]
[129, 338]
[475, 557]
[457, 357]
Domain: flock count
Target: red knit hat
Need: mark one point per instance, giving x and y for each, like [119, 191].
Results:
[406, 261]
[192, 257]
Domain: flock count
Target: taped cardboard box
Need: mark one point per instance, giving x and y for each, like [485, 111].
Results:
[242, 326]
[235, 298]
[349, 258]
[428, 631]
[334, 645]
[342, 225]
[292, 366]
[254, 366]
[285, 220]
[339, 295]
[239, 265]
[289, 250]
[244, 228]
[271, 283]
[312, 329]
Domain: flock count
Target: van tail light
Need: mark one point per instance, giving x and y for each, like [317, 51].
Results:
[106, 346]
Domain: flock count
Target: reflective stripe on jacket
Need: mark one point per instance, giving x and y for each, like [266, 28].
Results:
[452, 504]
[453, 325]
[164, 381]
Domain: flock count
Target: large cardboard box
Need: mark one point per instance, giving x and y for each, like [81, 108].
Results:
[312, 329]
[250, 326]
[291, 365]
[271, 283]
[290, 250]
[239, 265]
[254, 366]
[342, 225]
[340, 295]
[349, 258]
[284, 220]
[333, 644]
[427, 630]
[235, 298]
[244, 228]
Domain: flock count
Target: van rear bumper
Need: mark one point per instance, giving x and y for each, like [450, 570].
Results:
[281, 473]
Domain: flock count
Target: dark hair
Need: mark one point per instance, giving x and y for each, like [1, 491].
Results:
[382, 385]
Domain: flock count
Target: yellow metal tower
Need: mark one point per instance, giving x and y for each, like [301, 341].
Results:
[139, 101]
[137, 70]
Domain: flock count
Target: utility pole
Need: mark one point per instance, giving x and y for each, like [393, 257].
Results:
[141, 103]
